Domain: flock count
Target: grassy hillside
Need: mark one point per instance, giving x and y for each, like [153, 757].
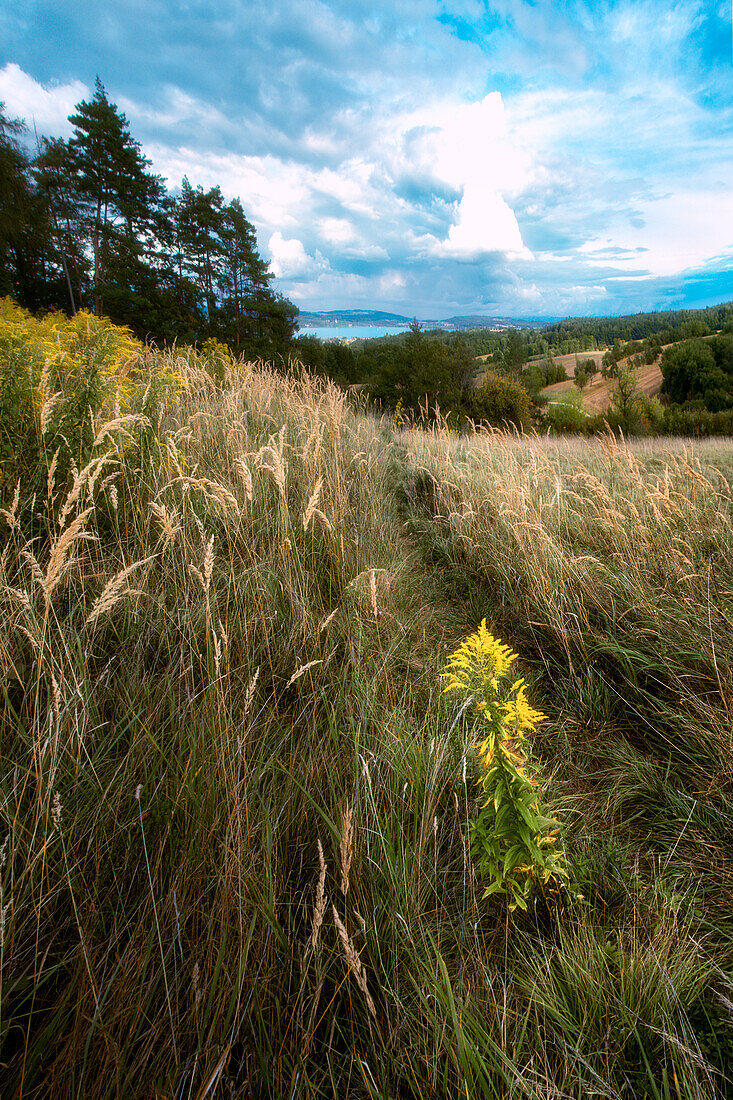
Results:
[598, 394]
[235, 799]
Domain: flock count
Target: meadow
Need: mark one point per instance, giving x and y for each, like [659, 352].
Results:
[235, 799]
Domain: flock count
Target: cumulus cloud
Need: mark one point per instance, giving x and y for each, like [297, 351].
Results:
[48, 106]
[289, 260]
[435, 158]
[485, 223]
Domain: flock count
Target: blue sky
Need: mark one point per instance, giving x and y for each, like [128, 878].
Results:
[431, 157]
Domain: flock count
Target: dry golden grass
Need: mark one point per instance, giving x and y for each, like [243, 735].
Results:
[234, 805]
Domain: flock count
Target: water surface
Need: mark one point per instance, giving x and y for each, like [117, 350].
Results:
[351, 332]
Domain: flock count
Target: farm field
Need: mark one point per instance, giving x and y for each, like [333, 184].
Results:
[569, 361]
[235, 823]
[566, 361]
[597, 394]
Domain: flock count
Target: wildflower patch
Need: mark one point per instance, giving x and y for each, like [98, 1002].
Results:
[65, 379]
[514, 838]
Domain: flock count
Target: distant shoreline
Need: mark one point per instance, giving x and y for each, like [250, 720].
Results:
[352, 331]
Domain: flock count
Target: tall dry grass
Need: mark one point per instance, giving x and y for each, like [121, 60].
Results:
[611, 566]
[234, 806]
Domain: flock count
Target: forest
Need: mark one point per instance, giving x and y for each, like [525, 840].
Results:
[86, 225]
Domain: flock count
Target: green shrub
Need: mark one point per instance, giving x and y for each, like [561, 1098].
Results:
[691, 419]
[501, 401]
[588, 366]
[568, 416]
[700, 369]
[554, 372]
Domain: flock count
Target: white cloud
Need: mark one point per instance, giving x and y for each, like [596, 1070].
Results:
[289, 260]
[467, 147]
[177, 107]
[273, 191]
[485, 224]
[588, 291]
[391, 282]
[642, 27]
[679, 231]
[48, 106]
[464, 143]
[337, 231]
[351, 185]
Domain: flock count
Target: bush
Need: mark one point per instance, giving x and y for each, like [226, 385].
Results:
[609, 366]
[501, 401]
[651, 413]
[568, 415]
[534, 379]
[696, 421]
[700, 369]
[60, 379]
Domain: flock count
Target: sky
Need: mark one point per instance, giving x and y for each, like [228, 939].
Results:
[521, 158]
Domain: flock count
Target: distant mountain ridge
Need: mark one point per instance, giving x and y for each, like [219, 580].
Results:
[334, 317]
[350, 317]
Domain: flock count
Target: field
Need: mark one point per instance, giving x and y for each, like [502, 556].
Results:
[236, 800]
[597, 394]
[569, 361]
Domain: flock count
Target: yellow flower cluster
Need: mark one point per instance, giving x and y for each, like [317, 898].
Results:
[62, 376]
[517, 711]
[512, 836]
[480, 659]
[53, 352]
[479, 666]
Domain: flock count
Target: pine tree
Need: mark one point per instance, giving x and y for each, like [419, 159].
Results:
[118, 200]
[245, 278]
[200, 219]
[88, 224]
[28, 268]
[216, 252]
[56, 186]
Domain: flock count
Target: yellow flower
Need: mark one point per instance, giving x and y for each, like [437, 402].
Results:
[482, 658]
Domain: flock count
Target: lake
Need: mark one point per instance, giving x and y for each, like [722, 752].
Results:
[352, 332]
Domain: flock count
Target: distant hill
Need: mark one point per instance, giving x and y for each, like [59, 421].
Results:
[677, 323]
[336, 317]
[480, 320]
[350, 317]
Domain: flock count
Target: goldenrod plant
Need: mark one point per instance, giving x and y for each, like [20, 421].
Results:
[61, 379]
[513, 837]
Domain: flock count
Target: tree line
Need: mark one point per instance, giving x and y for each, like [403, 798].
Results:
[85, 223]
[420, 371]
[669, 326]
